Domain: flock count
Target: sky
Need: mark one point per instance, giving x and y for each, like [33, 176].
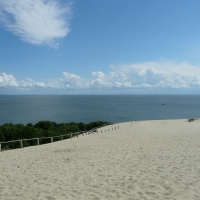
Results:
[99, 47]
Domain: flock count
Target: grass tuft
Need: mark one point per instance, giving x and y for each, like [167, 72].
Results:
[192, 119]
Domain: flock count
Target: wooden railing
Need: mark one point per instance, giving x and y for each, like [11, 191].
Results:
[51, 138]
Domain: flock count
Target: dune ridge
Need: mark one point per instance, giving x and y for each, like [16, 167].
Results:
[155, 159]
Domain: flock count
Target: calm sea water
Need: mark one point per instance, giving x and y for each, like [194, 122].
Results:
[86, 108]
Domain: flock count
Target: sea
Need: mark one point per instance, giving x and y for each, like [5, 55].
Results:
[88, 108]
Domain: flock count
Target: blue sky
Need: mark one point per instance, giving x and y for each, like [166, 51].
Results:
[99, 47]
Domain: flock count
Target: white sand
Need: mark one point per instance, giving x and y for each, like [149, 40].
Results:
[145, 160]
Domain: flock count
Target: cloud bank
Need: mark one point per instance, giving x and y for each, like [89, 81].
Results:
[148, 77]
[39, 22]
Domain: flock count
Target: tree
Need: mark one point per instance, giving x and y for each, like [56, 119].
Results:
[29, 125]
[2, 138]
[74, 128]
[9, 131]
[45, 125]
[82, 126]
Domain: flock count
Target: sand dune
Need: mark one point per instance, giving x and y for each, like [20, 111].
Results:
[144, 160]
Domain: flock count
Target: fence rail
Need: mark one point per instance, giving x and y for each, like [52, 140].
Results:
[51, 138]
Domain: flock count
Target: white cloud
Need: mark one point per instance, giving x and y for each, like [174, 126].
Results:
[70, 77]
[143, 77]
[72, 80]
[100, 84]
[30, 83]
[37, 22]
[7, 81]
[98, 74]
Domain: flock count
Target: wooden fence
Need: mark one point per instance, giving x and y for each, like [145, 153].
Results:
[51, 138]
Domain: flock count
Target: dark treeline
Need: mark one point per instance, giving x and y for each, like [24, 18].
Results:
[9, 132]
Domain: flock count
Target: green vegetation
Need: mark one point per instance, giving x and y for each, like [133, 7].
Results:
[9, 132]
[192, 119]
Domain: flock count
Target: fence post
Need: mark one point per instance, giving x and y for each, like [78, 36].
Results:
[71, 135]
[51, 139]
[38, 142]
[61, 137]
[0, 147]
[21, 142]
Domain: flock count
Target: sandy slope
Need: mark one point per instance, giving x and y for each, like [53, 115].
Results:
[144, 160]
